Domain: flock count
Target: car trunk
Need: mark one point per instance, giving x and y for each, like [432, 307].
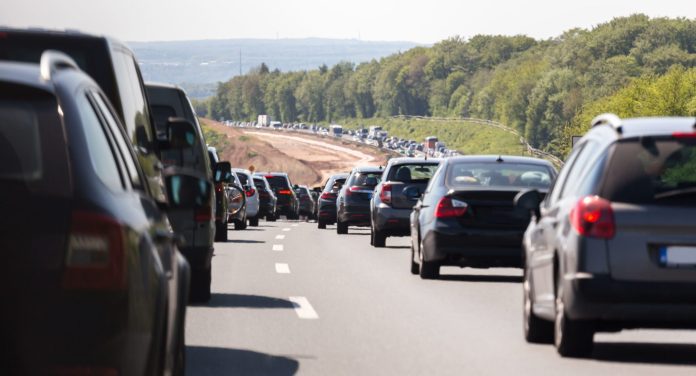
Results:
[399, 200]
[488, 209]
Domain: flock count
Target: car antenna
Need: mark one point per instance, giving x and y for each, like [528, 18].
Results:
[500, 159]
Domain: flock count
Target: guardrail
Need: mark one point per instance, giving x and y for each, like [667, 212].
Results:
[529, 148]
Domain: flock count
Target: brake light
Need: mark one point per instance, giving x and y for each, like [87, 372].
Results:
[385, 194]
[250, 192]
[450, 208]
[203, 214]
[593, 217]
[218, 187]
[285, 192]
[684, 135]
[328, 196]
[96, 258]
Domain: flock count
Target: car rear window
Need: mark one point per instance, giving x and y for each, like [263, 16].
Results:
[498, 174]
[412, 173]
[335, 185]
[33, 154]
[652, 171]
[243, 178]
[278, 182]
[259, 183]
[366, 179]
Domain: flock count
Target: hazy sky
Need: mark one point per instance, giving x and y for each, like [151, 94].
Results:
[424, 21]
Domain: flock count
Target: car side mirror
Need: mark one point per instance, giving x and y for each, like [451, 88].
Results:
[180, 133]
[223, 172]
[529, 201]
[412, 192]
[187, 191]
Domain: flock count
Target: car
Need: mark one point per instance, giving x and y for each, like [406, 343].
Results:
[103, 261]
[252, 195]
[390, 207]
[195, 224]
[315, 192]
[466, 215]
[307, 203]
[222, 194]
[287, 203]
[326, 204]
[239, 217]
[353, 201]
[612, 246]
[267, 199]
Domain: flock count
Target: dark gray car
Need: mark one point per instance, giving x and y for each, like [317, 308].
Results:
[613, 246]
[390, 207]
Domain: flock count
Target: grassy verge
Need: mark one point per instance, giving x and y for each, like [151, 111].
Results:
[466, 137]
[213, 137]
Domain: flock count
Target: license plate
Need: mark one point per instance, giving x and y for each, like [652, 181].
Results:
[678, 256]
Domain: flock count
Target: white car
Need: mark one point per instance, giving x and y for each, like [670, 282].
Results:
[252, 195]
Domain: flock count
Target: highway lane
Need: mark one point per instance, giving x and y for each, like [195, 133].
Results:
[291, 299]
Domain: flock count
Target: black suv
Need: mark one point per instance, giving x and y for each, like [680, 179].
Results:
[287, 202]
[103, 286]
[612, 245]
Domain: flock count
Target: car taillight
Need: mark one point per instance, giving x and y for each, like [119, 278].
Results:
[684, 135]
[284, 192]
[203, 214]
[386, 193]
[449, 207]
[96, 256]
[250, 192]
[593, 217]
[218, 187]
[328, 196]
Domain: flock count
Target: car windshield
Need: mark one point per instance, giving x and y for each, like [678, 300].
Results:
[412, 173]
[652, 171]
[495, 174]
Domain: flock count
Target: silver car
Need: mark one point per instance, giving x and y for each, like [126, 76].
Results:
[252, 195]
[613, 244]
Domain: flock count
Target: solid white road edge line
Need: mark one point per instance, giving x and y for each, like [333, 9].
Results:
[282, 268]
[278, 247]
[303, 309]
[280, 237]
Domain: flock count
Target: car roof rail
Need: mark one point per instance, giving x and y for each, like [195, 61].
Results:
[52, 61]
[609, 119]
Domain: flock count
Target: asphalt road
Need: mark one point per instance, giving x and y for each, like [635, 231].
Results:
[291, 299]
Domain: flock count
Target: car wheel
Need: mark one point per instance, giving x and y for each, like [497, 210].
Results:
[254, 222]
[428, 269]
[379, 240]
[573, 338]
[180, 362]
[200, 286]
[341, 228]
[240, 224]
[220, 229]
[321, 224]
[271, 218]
[536, 330]
[414, 265]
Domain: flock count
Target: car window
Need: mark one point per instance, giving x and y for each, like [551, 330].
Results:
[135, 115]
[435, 177]
[366, 179]
[100, 151]
[412, 173]
[557, 187]
[466, 174]
[243, 178]
[259, 183]
[123, 145]
[652, 171]
[278, 182]
[582, 164]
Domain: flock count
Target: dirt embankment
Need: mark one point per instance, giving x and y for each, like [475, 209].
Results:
[307, 159]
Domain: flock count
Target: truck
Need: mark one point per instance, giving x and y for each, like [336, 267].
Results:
[374, 131]
[336, 130]
[264, 120]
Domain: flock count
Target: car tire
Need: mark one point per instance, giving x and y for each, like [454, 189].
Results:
[321, 225]
[415, 268]
[220, 231]
[379, 239]
[180, 362]
[572, 338]
[200, 285]
[428, 269]
[341, 228]
[254, 222]
[536, 330]
[270, 218]
[240, 224]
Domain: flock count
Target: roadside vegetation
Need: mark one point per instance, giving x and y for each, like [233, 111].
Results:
[541, 88]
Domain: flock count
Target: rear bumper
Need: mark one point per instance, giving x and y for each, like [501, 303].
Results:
[327, 212]
[630, 304]
[266, 209]
[198, 257]
[491, 248]
[355, 215]
[392, 221]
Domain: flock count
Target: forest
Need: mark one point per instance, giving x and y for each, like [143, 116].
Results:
[546, 89]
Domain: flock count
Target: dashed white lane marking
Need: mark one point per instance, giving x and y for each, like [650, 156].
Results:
[282, 268]
[280, 237]
[295, 225]
[286, 229]
[278, 247]
[303, 309]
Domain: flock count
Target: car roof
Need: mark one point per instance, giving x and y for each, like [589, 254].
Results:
[404, 160]
[162, 85]
[340, 176]
[656, 126]
[496, 158]
[27, 74]
[368, 169]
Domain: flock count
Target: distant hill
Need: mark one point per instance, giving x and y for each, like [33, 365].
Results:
[199, 65]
